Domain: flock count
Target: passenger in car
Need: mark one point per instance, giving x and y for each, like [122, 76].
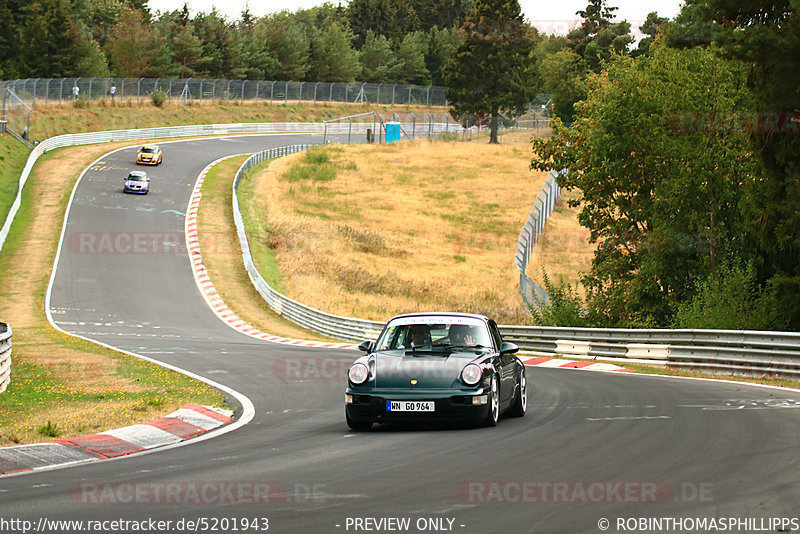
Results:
[420, 335]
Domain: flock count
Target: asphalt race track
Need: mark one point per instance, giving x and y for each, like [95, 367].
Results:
[593, 447]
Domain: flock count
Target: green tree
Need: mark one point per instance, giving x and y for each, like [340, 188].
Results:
[376, 16]
[92, 62]
[49, 41]
[378, 60]
[99, 16]
[220, 51]
[486, 75]
[651, 28]
[442, 42]
[411, 59]
[258, 61]
[187, 52]
[331, 58]
[764, 35]
[598, 37]
[694, 26]
[12, 23]
[135, 50]
[563, 75]
[662, 163]
[288, 43]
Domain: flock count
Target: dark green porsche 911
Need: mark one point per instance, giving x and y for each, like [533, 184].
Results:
[449, 366]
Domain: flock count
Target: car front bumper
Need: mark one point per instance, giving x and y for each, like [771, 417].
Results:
[447, 406]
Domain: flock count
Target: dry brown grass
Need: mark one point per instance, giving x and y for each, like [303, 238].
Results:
[563, 251]
[405, 227]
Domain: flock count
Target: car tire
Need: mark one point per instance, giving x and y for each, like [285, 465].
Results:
[358, 425]
[494, 403]
[520, 405]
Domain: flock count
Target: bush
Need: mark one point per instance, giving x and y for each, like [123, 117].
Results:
[159, 96]
[733, 300]
[563, 306]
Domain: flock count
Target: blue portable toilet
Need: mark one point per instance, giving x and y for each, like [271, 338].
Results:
[392, 132]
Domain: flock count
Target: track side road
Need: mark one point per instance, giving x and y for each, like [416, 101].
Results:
[595, 450]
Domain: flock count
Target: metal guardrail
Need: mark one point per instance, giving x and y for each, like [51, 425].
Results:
[5, 356]
[529, 235]
[726, 351]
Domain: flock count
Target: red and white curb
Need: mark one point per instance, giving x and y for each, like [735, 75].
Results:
[188, 422]
[570, 364]
[210, 293]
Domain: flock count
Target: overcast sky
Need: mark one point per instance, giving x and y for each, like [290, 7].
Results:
[547, 15]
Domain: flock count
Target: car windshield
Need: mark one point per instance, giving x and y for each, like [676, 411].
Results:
[148, 150]
[434, 333]
[136, 178]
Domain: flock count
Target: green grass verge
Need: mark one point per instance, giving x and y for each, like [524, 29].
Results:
[258, 231]
[56, 389]
[13, 156]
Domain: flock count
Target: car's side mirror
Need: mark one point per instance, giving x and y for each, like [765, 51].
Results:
[365, 346]
[508, 348]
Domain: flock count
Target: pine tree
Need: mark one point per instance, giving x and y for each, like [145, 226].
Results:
[486, 75]
[378, 61]
[411, 59]
[332, 59]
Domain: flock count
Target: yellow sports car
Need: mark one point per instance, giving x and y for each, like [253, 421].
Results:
[149, 155]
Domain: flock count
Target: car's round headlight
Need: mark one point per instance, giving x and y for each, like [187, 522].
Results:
[471, 374]
[358, 373]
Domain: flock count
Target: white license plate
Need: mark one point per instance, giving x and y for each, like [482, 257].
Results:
[410, 406]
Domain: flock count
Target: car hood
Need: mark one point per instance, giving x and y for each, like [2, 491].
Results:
[431, 370]
[135, 182]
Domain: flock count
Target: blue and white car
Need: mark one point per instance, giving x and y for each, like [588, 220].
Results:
[137, 182]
